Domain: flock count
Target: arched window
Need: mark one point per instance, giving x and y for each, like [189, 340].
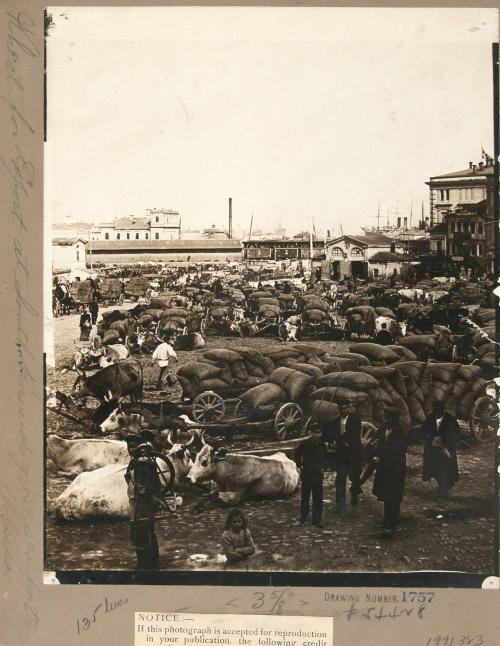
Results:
[356, 251]
[337, 251]
[106, 236]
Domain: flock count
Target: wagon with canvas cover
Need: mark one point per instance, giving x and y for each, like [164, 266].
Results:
[110, 290]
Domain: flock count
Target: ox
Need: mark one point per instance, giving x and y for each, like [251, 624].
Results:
[118, 380]
[396, 328]
[113, 354]
[103, 493]
[240, 477]
[155, 416]
[71, 457]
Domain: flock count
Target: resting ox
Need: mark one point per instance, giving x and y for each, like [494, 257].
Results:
[104, 493]
[71, 457]
[240, 477]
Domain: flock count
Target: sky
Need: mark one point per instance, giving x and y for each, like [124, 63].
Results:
[300, 115]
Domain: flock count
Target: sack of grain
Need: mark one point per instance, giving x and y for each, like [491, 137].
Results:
[375, 352]
[405, 354]
[239, 371]
[468, 373]
[296, 384]
[416, 411]
[310, 350]
[352, 380]
[222, 354]
[486, 348]
[262, 395]
[324, 413]
[160, 303]
[306, 368]
[488, 360]
[197, 372]
[443, 372]
[360, 359]
[175, 311]
[338, 393]
[255, 371]
[414, 368]
[215, 384]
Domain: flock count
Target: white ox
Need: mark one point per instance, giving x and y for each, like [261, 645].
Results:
[246, 476]
[71, 457]
[103, 493]
[413, 294]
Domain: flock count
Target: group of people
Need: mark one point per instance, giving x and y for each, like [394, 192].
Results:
[441, 434]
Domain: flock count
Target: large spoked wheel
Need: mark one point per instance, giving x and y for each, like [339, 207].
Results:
[309, 426]
[289, 421]
[483, 422]
[208, 407]
[166, 472]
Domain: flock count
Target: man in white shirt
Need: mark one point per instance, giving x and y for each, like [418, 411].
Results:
[161, 355]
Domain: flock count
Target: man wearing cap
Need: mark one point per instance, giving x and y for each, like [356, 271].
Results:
[345, 434]
[143, 487]
[441, 433]
[389, 482]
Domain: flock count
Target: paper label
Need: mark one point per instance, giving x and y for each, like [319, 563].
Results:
[179, 629]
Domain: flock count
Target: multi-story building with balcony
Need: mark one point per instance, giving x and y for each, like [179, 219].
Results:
[462, 207]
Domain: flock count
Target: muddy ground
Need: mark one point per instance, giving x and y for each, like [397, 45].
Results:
[457, 535]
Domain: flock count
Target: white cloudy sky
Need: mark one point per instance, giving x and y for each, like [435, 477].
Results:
[291, 112]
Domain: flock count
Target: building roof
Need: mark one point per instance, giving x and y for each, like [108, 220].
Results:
[476, 171]
[388, 256]
[133, 245]
[131, 223]
[367, 240]
[66, 242]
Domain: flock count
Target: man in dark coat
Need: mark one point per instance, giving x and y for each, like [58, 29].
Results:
[345, 434]
[311, 457]
[389, 481]
[384, 337]
[441, 433]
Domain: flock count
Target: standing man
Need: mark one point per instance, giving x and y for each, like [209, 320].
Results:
[161, 355]
[441, 433]
[94, 309]
[144, 486]
[311, 457]
[345, 434]
[384, 337]
[389, 482]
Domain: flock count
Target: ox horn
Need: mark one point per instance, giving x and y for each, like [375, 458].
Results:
[191, 440]
[109, 396]
[169, 438]
[202, 438]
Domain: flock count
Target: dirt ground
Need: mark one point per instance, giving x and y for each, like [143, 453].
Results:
[457, 535]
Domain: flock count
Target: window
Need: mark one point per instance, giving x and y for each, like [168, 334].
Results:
[157, 219]
[147, 236]
[480, 249]
[137, 236]
[337, 251]
[356, 251]
[106, 236]
[480, 228]
[117, 236]
[128, 236]
[77, 255]
[439, 246]
[459, 227]
[375, 273]
[157, 236]
[444, 194]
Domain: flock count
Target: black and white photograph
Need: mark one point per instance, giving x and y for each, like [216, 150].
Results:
[269, 271]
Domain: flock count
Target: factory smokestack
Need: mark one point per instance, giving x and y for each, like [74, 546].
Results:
[230, 229]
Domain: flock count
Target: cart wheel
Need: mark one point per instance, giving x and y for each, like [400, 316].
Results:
[121, 299]
[288, 421]
[308, 427]
[166, 472]
[242, 410]
[483, 421]
[208, 407]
